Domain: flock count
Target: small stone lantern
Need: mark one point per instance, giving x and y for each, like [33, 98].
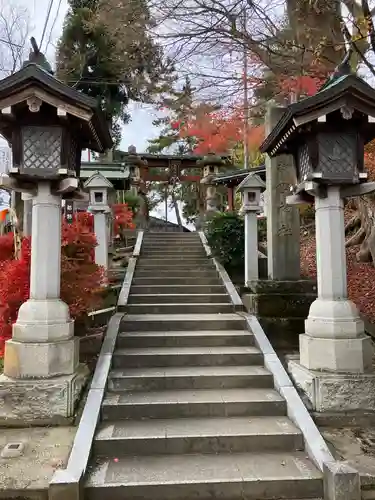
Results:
[47, 124]
[326, 134]
[251, 188]
[211, 164]
[136, 166]
[98, 187]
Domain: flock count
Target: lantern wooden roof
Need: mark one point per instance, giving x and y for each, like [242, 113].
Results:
[252, 181]
[98, 181]
[233, 178]
[344, 92]
[32, 81]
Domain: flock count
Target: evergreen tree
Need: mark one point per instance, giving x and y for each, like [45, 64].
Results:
[106, 51]
[180, 109]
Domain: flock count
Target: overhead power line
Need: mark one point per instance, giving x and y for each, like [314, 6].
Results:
[53, 24]
[46, 22]
[8, 42]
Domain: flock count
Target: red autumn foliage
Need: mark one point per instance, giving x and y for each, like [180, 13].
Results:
[122, 218]
[360, 275]
[6, 246]
[219, 131]
[80, 276]
[85, 218]
[302, 85]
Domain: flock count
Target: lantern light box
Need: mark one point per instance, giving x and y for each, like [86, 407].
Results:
[251, 188]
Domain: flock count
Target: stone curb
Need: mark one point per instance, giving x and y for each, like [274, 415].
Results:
[230, 288]
[67, 483]
[341, 482]
[125, 289]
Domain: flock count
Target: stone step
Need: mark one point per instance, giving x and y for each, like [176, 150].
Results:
[177, 280]
[176, 290]
[186, 356]
[183, 298]
[158, 272]
[179, 308]
[187, 377]
[171, 237]
[175, 244]
[162, 240]
[146, 263]
[197, 435]
[176, 250]
[174, 254]
[193, 403]
[181, 322]
[205, 338]
[232, 476]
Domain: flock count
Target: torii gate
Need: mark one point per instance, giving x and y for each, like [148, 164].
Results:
[175, 169]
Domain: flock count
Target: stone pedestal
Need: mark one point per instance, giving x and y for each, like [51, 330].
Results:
[283, 248]
[251, 247]
[281, 308]
[101, 233]
[332, 392]
[49, 401]
[43, 348]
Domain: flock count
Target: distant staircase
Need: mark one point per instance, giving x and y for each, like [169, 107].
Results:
[190, 411]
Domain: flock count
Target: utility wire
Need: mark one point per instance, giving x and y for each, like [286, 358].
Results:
[46, 22]
[10, 43]
[53, 24]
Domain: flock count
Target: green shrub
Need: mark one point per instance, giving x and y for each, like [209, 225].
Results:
[262, 230]
[132, 200]
[225, 235]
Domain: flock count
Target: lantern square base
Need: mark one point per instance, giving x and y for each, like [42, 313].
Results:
[329, 392]
[336, 355]
[50, 401]
[24, 360]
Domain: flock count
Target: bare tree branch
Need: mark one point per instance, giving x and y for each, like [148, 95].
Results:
[14, 34]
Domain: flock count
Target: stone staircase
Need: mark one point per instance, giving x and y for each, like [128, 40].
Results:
[190, 411]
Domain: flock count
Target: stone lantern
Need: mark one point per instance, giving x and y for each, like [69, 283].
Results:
[251, 188]
[326, 135]
[137, 166]
[211, 164]
[47, 124]
[98, 187]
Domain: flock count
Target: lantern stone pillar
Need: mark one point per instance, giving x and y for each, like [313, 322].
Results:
[98, 187]
[334, 338]
[43, 330]
[326, 134]
[48, 125]
[211, 164]
[27, 213]
[211, 201]
[250, 189]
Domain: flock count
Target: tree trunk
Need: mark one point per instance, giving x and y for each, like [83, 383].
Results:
[366, 232]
